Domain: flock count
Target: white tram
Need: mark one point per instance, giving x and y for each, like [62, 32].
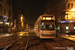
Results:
[45, 26]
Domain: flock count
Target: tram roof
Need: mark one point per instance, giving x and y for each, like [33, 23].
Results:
[40, 18]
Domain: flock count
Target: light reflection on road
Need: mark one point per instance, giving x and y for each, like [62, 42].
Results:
[7, 34]
[26, 34]
[22, 33]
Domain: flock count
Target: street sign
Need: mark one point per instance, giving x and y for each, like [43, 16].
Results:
[5, 18]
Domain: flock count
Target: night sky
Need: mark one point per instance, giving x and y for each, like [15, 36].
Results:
[31, 9]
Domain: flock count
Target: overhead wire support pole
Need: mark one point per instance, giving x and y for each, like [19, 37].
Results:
[3, 25]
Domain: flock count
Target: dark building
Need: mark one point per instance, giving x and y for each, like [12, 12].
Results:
[6, 15]
[66, 19]
[64, 12]
[22, 22]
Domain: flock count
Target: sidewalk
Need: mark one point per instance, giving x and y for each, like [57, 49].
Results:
[71, 37]
[6, 34]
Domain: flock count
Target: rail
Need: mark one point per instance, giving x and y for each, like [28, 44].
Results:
[7, 47]
[47, 47]
[26, 44]
[40, 41]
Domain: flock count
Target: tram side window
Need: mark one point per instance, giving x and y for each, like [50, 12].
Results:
[38, 26]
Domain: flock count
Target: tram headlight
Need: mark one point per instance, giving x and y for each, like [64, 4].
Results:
[44, 18]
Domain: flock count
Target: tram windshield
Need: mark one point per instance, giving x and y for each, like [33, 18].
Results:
[47, 26]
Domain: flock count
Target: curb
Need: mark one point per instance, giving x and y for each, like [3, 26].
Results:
[68, 39]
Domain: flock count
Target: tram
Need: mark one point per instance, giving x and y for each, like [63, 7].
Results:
[45, 26]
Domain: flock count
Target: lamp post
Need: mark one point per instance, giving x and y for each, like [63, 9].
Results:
[72, 9]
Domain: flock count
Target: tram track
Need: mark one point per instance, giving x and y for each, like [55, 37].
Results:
[66, 42]
[28, 45]
[24, 42]
[47, 47]
[8, 38]
[35, 43]
[39, 42]
[29, 39]
[19, 45]
[7, 47]
[52, 44]
[61, 44]
[5, 40]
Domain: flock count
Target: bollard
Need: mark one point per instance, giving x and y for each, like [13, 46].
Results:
[10, 31]
[69, 34]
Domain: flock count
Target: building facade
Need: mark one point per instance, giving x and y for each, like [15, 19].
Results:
[6, 15]
[66, 20]
[22, 22]
[57, 8]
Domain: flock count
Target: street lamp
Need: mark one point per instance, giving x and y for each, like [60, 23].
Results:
[21, 19]
[72, 9]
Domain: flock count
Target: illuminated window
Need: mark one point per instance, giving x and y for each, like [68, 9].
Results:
[67, 27]
[74, 27]
[70, 5]
[66, 16]
[48, 18]
[74, 15]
